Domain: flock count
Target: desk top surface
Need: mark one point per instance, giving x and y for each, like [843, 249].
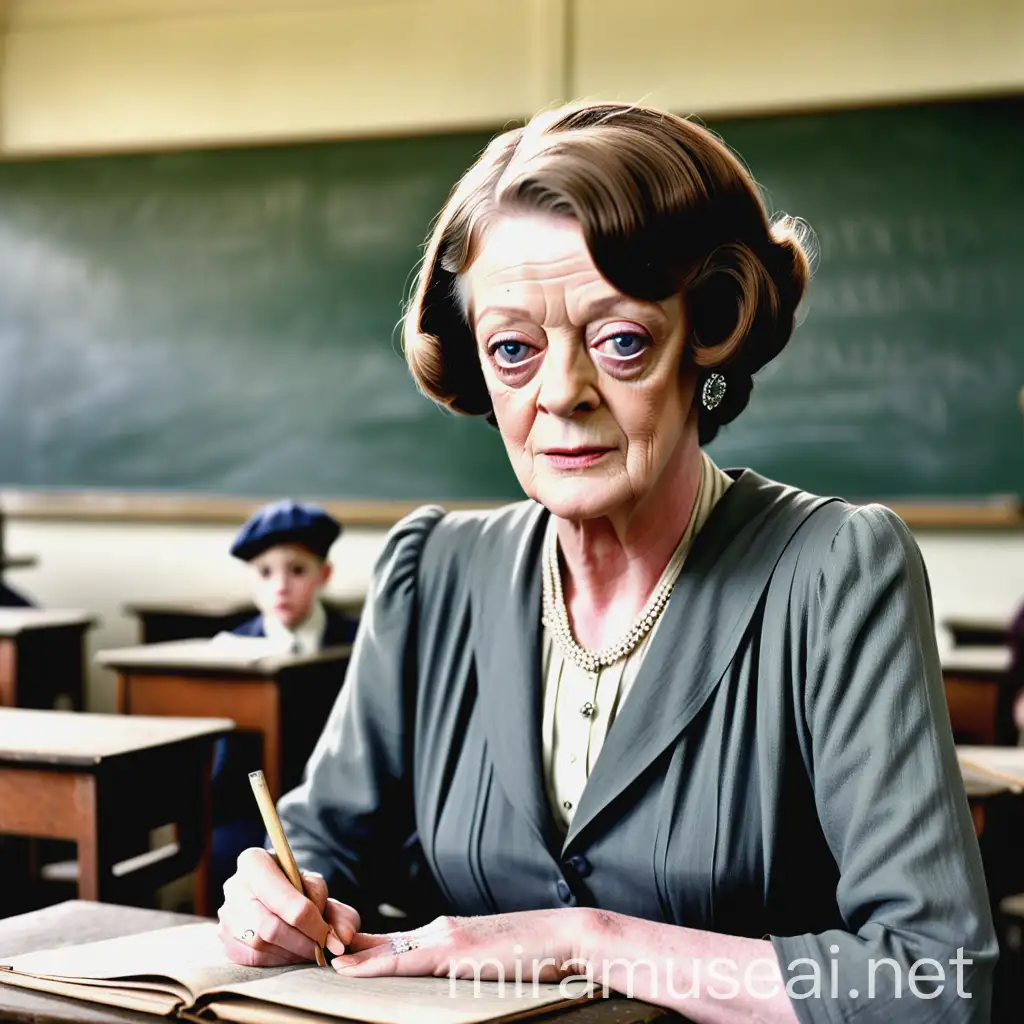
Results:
[978, 660]
[18, 561]
[81, 921]
[215, 607]
[15, 621]
[76, 739]
[991, 770]
[988, 623]
[224, 607]
[230, 655]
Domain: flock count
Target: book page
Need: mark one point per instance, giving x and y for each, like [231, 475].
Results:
[190, 957]
[144, 999]
[391, 1000]
[187, 963]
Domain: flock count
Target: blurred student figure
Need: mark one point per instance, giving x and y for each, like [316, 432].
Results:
[1017, 671]
[286, 546]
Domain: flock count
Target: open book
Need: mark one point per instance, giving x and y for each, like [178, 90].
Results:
[184, 972]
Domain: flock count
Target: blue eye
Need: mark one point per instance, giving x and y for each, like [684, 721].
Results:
[510, 352]
[625, 345]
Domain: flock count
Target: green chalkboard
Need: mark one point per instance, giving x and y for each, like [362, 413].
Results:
[226, 321]
[903, 378]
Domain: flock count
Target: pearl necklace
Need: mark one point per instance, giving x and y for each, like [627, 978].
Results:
[556, 615]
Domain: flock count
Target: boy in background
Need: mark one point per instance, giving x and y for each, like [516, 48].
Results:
[286, 545]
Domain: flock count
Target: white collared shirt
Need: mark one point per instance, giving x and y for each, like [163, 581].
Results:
[571, 740]
[306, 638]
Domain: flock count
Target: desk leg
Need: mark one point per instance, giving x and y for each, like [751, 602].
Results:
[978, 815]
[123, 703]
[271, 731]
[204, 901]
[8, 674]
[94, 861]
[78, 674]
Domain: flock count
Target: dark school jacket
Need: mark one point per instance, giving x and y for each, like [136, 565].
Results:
[338, 630]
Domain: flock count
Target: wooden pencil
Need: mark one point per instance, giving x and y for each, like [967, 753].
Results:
[285, 857]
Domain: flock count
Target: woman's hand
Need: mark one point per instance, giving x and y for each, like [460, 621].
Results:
[655, 962]
[266, 922]
[544, 943]
[1018, 711]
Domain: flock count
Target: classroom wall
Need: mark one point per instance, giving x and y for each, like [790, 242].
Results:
[111, 74]
[751, 55]
[101, 566]
[84, 75]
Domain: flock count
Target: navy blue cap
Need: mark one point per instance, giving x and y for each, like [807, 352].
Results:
[286, 522]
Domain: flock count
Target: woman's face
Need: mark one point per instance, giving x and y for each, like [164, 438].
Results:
[585, 381]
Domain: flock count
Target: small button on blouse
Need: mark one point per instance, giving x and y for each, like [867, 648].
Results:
[580, 706]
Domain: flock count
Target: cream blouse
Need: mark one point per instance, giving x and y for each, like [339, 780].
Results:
[579, 706]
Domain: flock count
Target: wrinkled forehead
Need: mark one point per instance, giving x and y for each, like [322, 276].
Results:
[537, 268]
[521, 252]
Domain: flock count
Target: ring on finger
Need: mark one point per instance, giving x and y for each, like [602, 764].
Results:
[402, 942]
[248, 935]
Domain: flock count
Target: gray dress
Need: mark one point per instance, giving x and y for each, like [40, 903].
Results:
[783, 766]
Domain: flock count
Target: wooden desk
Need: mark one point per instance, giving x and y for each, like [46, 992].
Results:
[104, 781]
[189, 618]
[979, 631]
[978, 692]
[42, 657]
[991, 770]
[17, 562]
[75, 921]
[284, 698]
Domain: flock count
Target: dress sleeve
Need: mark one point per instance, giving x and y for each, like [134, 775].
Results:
[889, 796]
[353, 811]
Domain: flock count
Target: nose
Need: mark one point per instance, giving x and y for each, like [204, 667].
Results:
[568, 380]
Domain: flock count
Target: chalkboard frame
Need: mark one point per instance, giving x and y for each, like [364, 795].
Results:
[994, 513]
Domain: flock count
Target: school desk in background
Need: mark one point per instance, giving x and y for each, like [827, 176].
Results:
[979, 694]
[201, 618]
[979, 630]
[284, 698]
[105, 781]
[42, 658]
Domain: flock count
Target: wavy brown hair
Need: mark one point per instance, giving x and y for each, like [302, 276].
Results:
[665, 207]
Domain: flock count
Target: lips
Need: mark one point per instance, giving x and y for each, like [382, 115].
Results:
[575, 458]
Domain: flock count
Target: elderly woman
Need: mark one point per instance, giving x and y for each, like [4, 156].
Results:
[658, 712]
